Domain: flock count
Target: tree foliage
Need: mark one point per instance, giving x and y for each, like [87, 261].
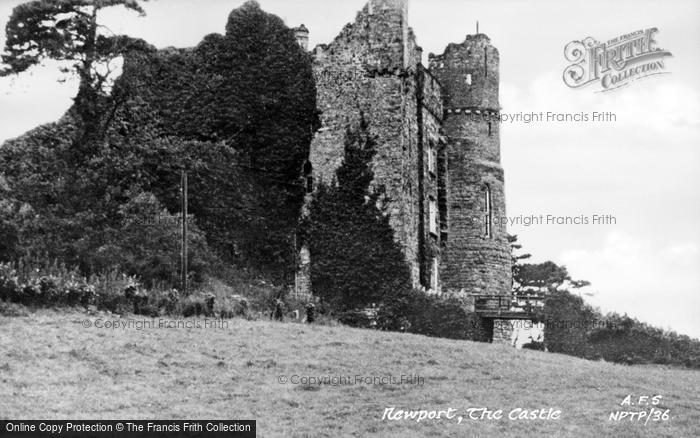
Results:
[543, 277]
[147, 244]
[355, 260]
[64, 30]
[238, 112]
[574, 327]
[248, 97]
[68, 31]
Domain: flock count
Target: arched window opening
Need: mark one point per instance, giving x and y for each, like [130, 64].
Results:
[487, 211]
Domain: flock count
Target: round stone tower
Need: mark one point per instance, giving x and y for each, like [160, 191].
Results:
[476, 257]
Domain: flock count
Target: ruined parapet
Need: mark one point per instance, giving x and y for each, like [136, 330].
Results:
[362, 69]
[469, 73]
[302, 35]
[370, 68]
[476, 255]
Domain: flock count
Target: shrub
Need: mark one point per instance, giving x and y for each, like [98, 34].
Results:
[534, 345]
[9, 232]
[33, 283]
[573, 327]
[8, 282]
[355, 260]
[567, 323]
[12, 309]
[241, 308]
[147, 245]
[199, 306]
[357, 318]
[110, 287]
[626, 340]
[446, 317]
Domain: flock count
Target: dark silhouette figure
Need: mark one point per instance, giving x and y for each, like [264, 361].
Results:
[310, 313]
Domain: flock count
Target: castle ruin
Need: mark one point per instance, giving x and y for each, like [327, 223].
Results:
[438, 148]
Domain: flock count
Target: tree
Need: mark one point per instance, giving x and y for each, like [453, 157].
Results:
[567, 318]
[354, 258]
[68, 31]
[543, 277]
[516, 258]
[239, 111]
[249, 98]
[9, 232]
[147, 244]
[540, 277]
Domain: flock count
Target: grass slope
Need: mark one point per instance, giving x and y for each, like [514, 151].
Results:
[51, 367]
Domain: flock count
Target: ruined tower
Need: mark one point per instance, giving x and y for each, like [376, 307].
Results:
[437, 144]
[476, 254]
[373, 68]
[301, 33]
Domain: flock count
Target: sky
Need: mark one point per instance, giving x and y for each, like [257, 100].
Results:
[641, 168]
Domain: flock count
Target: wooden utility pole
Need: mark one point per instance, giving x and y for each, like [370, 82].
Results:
[183, 193]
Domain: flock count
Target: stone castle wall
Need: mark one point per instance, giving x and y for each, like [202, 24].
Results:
[431, 176]
[371, 69]
[476, 255]
[421, 116]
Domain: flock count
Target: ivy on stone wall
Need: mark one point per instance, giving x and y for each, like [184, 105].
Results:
[238, 111]
[354, 259]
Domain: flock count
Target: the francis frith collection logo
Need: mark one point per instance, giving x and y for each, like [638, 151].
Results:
[616, 62]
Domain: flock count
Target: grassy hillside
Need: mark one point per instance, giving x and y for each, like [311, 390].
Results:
[53, 367]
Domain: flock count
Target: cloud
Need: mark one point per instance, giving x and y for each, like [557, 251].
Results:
[641, 168]
[681, 252]
[658, 105]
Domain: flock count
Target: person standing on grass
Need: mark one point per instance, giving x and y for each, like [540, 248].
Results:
[278, 312]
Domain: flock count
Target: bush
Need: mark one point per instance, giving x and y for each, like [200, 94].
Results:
[36, 284]
[9, 232]
[567, 323]
[12, 309]
[625, 340]
[110, 290]
[200, 305]
[573, 327]
[534, 345]
[44, 284]
[49, 284]
[446, 317]
[355, 260]
[357, 318]
[147, 245]
[9, 282]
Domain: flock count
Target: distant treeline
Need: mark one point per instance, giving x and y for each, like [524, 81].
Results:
[575, 328]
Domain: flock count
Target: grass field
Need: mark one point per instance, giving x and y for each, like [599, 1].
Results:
[52, 367]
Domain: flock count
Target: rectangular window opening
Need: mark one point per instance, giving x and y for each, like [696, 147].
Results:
[487, 212]
[433, 216]
[434, 275]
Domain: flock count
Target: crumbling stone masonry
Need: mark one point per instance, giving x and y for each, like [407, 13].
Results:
[438, 149]
[502, 331]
